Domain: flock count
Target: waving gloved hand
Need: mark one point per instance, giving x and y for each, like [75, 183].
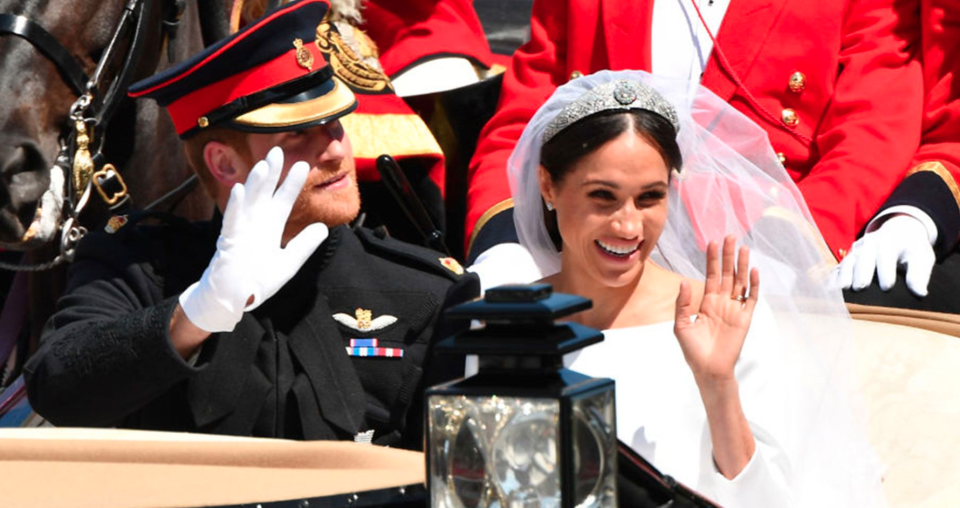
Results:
[250, 265]
[902, 239]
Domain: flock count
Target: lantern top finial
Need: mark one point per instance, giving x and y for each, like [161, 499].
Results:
[520, 321]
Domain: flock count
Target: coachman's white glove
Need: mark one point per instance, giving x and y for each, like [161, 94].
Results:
[901, 239]
[249, 262]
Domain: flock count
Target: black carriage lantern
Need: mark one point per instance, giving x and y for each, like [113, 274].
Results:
[524, 431]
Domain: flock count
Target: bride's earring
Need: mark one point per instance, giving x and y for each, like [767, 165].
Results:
[549, 206]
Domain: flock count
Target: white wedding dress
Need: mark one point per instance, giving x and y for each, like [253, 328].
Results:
[660, 413]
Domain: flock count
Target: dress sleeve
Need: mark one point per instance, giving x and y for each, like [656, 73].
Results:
[763, 482]
[766, 480]
[106, 352]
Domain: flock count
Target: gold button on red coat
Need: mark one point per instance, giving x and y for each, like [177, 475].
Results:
[781, 158]
[789, 117]
[797, 82]
[576, 74]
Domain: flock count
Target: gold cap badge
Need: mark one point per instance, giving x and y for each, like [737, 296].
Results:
[304, 56]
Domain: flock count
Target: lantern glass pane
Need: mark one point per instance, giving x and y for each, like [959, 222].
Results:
[594, 440]
[494, 452]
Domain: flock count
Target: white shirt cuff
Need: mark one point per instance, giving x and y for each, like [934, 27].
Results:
[912, 211]
[436, 75]
[192, 361]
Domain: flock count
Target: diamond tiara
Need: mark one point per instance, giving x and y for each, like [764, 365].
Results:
[621, 95]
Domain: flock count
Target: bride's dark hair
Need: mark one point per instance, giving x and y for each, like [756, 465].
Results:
[561, 152]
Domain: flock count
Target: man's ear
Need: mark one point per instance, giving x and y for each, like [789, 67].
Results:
[224, 163]
[547, 189]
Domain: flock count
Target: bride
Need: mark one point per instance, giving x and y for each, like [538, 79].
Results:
[633, 191]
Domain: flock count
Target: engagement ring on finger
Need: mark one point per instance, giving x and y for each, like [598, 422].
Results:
[739, 298]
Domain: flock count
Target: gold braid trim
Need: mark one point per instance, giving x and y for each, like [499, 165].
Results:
[351, 66]
[399, 135]
[944, 174]
[489, 214]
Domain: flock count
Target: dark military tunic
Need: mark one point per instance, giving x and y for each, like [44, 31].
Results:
[106, 358]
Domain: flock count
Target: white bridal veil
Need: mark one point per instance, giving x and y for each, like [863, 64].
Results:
[733, 183]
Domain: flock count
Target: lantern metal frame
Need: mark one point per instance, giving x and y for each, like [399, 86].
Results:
[521, 352]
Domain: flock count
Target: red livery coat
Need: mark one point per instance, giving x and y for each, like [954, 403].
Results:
[859, 107]
[941, 71]
[409, 32]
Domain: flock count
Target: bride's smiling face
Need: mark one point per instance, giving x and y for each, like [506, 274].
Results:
[611, 208]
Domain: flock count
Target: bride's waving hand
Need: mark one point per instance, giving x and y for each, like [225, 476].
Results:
[712, 341]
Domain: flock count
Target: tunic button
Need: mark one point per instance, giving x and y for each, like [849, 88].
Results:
[781, 158]
[789, 117]
[797, 82]
[575, 75]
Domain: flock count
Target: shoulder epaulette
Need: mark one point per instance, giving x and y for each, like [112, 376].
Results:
[129, 230]
[421, 257]
[126, 221]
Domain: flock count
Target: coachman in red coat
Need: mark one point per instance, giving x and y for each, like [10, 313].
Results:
[927, 247]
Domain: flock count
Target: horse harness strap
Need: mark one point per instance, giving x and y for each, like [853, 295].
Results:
[107, 180]
[69, 68]
[72, 71]
[90, 111]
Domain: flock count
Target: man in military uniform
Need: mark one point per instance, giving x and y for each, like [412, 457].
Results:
[282, 322]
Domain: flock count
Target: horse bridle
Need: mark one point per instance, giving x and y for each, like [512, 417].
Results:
[91, 113]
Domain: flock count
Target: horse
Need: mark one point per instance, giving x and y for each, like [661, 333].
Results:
[74, 149]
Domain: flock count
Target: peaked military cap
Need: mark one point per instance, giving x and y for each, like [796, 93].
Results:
[268, 77]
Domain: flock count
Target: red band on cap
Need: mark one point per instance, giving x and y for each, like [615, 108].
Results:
[186, 110]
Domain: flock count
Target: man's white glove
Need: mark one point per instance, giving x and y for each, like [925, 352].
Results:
[901, 239]
[249, 262]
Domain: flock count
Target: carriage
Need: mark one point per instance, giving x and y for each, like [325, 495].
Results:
[73, 151]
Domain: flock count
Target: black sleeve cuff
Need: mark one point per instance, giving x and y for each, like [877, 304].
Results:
[928, 192]
[96, 373]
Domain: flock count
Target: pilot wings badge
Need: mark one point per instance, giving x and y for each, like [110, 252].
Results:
[364, 321]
